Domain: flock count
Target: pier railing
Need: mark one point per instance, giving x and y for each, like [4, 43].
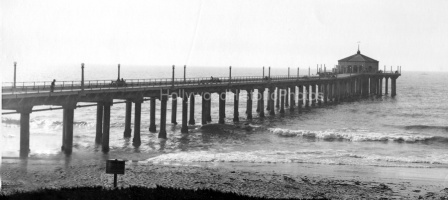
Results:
[61, 86]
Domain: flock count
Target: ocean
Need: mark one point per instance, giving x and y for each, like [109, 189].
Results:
[408, 131]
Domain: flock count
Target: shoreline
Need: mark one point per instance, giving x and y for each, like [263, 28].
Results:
[260, 180]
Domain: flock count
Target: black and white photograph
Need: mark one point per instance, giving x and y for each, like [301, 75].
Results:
[224, 99]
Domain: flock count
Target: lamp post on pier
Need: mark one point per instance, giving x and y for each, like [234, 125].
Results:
[269, 72]
[82, 76]
[15, 67]
[118, 72]
[185, 73]
[230, 74]
[172, 80]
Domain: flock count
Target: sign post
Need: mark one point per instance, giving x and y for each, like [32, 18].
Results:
[115, 167]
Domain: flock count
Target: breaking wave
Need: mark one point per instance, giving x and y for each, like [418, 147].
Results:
[356, 136]
[41, 123]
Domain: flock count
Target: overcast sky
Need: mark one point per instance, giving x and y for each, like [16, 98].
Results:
[413, 34]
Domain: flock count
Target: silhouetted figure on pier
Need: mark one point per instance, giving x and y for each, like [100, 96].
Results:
[52, 85]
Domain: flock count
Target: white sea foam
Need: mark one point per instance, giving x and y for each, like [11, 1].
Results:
[350, 135]
[329, 157]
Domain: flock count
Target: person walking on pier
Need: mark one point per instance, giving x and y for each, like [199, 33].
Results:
[52, 85]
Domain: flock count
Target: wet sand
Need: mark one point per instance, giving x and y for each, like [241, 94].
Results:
[274, 181]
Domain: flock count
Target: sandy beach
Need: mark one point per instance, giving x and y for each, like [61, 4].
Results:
[308, 181]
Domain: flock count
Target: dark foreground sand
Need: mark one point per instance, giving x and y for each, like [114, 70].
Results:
[34, 174]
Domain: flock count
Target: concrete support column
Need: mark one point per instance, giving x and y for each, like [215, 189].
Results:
[365, 88]
[68, 129]
[106, 126]
[359, 85]
[249, 105]
[326, 92]
[291, 97]
[137, 120]
[152, 116]
[209, 106]
[381, 86]
[277, 101]
[282, 101]
[286, 97]
[204, 109]
[271, 94]
[394, 87]
[99, 122]
[174, 108]
[293, 94]
[222, 107]
[309, 95]
[319, 94]
[192, 121]
[184, 128]
[163, 102]
[25, 132]
[261, 102]
[386, 86]
[313, 95]
[270, 102]
[127, 119]
[236, 102]
[300, 99]
[330, 92]
[258, 101]
[337, 91]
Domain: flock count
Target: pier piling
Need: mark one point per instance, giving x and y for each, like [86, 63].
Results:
[249, 104]
[386, 86]
[174, 108]
[282, 100]
[127, 124]
[291, 97]
[204, 109]
[162, 131]
[152, 115]
[192, 121]
[236, 94]
[184, 128]
[68, 128]
[137, 120]
[300, 99]
[261, 102]
[106, 127]
[222, 107]
[270, 102]
[25, 132]
[99, 123]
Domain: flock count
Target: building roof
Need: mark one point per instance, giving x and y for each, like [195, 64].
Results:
[358, 57]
